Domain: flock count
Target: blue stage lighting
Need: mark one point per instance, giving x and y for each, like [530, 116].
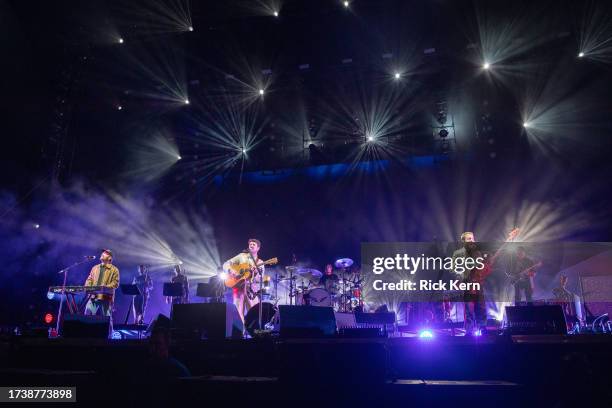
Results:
[426, 334]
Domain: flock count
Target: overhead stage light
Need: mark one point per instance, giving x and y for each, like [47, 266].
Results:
[526, 124]
[120, 40]
[370, 138]
[261, 92]
[276, 14]
[346, 4]
[397, 75]
[190, 28]
[580, 55]
[178, 157]
[186, 101]
[486, 65]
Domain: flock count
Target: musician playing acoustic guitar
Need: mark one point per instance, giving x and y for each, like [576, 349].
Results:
[239, 290]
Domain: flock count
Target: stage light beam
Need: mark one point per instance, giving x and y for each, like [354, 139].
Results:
[276, 14]
[581, 54]
[397, 75]
[120, 41]
[486, 65]
[186, 101]
[261, 92]
[190, 28]
[346, 4]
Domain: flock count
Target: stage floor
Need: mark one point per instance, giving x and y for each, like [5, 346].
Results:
[443, 369]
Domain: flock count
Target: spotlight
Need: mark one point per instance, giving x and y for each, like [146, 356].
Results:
[370, 138]
[486, 65]
[397, 75]
[119, 107]
[346, 4]
[244, 151]
[261, 92]
[186, 101]
[425, 334]
[178, 157]
[223, 276]
[477, 333]
[526, 124]
[190, 28]
[120, 40]
[276, 14]
[580, 55]
[37, 226]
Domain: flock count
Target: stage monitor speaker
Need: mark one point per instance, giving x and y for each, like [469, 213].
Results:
[306, 321]
[207, 320]
[79, 326]
[544, 319]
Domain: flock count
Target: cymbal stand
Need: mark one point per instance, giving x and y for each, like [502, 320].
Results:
[291, 289]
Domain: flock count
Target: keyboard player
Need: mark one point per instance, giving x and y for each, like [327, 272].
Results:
[104, 274]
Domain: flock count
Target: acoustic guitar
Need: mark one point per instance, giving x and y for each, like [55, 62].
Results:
[243, 271]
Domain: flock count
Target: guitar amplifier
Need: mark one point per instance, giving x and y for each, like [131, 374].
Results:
[544, 319]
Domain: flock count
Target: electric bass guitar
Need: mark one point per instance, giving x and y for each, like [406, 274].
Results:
[525, 273]
[243, 271]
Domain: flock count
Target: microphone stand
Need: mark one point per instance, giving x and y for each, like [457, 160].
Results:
[260, 297]
[63, 293]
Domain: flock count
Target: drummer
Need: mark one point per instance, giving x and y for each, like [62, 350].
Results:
[329, 278]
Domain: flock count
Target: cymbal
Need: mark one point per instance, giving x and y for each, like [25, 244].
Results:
[343, 263]
[309, 271]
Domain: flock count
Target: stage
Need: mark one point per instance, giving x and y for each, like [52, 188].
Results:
[509, 370]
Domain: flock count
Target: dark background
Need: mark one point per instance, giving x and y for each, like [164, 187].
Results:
[72, 165]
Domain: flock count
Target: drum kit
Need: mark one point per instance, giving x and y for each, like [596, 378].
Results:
[340, 289]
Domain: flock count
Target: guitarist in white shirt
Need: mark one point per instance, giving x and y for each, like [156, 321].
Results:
[239, 291]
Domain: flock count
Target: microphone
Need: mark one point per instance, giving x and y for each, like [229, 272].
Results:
[90, 257]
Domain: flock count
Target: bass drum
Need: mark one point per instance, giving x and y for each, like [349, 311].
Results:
[269, 318]
[319, 297]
